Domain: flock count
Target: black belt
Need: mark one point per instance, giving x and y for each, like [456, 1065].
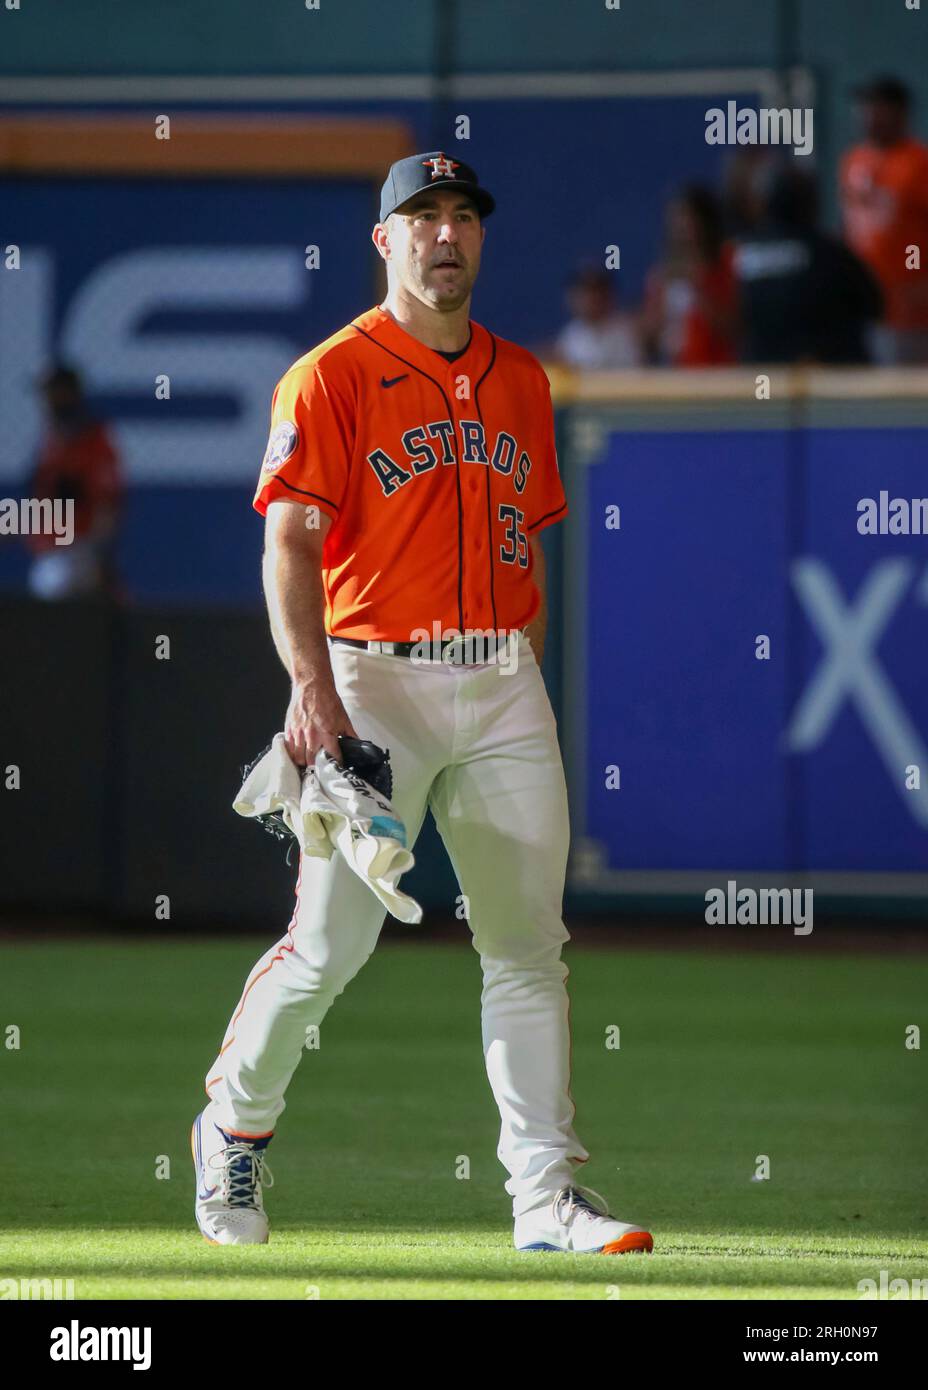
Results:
[469, 649]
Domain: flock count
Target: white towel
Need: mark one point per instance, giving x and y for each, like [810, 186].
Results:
[329, 808]
[273, 784]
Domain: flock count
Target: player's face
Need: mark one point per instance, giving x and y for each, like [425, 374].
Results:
[435, 244]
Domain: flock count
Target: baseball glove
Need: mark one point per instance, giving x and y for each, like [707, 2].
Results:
[359, 755]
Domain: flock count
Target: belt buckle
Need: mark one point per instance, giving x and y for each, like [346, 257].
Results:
[448, 648]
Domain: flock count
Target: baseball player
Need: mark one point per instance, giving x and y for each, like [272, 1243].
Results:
[409, 473]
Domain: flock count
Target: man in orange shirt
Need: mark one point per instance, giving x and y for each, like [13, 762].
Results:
[410, 470]
[690, 311]
[78, 465]
[884, 194]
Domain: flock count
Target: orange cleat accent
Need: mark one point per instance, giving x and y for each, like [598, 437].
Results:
[640, 1241]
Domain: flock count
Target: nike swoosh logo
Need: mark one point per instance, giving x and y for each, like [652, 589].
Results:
[205, 1196]
[393, 380]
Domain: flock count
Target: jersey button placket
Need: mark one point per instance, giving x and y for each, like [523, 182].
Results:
[471, 480]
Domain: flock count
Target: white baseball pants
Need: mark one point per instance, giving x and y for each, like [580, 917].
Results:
[479, 747]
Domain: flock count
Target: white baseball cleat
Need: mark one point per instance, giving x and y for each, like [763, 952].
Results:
[573, 1222]
[230, 1173]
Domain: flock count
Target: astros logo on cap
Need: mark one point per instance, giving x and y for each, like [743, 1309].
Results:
[442, 166]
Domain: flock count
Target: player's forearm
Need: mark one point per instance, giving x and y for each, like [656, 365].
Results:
[296, 609]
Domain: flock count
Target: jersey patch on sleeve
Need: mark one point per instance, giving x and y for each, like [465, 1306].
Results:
[282, 443]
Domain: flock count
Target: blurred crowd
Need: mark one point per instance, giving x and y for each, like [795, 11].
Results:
[749, 275]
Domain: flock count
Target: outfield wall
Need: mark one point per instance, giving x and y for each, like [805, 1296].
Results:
[750, 664]
[690, 761]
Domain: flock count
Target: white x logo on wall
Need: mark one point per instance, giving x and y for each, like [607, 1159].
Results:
[850, 669]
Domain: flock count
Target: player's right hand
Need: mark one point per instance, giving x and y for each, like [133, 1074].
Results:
[315, 718]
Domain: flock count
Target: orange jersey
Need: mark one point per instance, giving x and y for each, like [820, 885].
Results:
[434, 473]
[884, 193]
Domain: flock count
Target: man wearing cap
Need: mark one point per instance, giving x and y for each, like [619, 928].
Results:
[884, 195]
[410, 470]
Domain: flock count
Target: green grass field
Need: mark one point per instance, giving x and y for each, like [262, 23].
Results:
[794, 1055]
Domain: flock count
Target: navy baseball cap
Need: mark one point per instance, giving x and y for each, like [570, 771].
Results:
[420, 172]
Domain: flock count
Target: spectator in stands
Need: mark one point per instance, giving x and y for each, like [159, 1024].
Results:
[884, 195]
[746, 169]
[77, 462]
[805, 296]
[690, 306]
[599, 335]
